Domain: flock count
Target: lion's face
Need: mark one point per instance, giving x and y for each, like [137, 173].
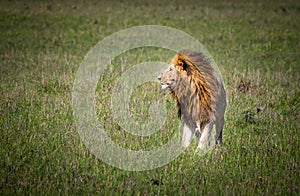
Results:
[169, 77]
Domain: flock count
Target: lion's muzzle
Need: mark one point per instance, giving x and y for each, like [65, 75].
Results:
[163, 85]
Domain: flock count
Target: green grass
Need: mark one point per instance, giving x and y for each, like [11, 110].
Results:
[255, 44]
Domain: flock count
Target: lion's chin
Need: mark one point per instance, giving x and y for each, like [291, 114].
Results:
[164, 86]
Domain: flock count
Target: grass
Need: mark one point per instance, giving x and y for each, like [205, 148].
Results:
[255, 44]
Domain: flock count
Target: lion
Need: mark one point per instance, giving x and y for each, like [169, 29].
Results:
[200, 96]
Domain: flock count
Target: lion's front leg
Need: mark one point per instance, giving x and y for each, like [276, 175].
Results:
[197, 134]
[205, 136]
[186, 136]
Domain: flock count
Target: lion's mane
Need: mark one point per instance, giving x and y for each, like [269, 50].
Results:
[196, 89]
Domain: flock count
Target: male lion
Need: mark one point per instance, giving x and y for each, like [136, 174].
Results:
[200, 96]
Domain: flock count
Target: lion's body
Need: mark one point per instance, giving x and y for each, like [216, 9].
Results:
[200, 95]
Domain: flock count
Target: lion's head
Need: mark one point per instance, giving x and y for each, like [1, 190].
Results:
[169, 78]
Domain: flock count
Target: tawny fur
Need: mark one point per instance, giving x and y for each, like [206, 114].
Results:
[198, 90]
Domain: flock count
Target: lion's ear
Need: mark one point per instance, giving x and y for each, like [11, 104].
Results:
[188, 66]
[184, 66]
[181, 63]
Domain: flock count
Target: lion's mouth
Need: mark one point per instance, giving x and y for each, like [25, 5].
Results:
[163, 85]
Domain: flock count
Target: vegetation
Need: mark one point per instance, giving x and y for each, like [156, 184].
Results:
[254, 43]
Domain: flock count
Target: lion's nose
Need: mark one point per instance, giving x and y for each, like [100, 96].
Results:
[159, 78]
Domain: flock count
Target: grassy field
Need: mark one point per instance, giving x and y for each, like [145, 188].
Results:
[255, 44]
